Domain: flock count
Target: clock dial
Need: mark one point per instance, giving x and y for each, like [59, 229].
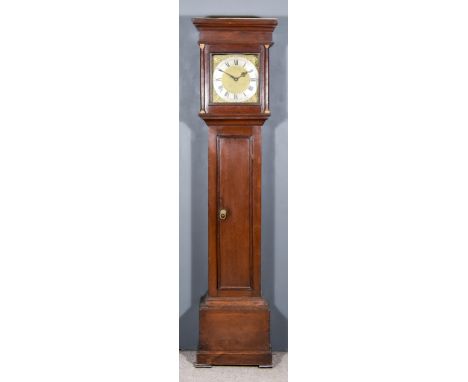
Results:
[235, 78]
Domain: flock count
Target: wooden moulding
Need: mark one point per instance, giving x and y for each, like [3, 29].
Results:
[239, 29]
[232, 358]
[236, 120]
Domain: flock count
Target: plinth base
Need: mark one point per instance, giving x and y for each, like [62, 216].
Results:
[234, 331]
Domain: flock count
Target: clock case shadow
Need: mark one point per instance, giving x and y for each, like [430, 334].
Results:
[192, 127]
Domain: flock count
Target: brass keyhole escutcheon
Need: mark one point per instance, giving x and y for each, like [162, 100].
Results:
[222, 214]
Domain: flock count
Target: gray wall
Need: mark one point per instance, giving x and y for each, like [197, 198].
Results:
[193, 182]
[263, 8]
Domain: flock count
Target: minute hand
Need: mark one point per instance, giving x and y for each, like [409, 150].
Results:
[230, 75]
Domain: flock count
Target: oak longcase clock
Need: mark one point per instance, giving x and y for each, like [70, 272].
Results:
[234, 76]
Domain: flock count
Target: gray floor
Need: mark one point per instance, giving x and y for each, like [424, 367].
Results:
[188, 373]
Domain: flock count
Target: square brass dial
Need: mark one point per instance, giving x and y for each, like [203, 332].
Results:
[235, 78]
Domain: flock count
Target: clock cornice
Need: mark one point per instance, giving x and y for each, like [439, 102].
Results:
[245, 29]
[247, 23]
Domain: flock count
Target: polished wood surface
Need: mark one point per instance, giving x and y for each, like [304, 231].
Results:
[234, 318]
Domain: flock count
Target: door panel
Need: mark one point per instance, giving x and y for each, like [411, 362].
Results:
[234, 234]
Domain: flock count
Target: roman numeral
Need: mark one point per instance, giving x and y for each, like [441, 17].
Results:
[235, 96]
[249, 71]
[220, 88]
[218, 79]
[227, 64]
[253, 79]
[236, 62]
[250, 88]
[226, 94]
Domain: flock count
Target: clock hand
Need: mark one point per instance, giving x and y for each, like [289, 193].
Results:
[230, 75]
[237, 78]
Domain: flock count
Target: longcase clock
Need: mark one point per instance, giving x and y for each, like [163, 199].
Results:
[234, 65]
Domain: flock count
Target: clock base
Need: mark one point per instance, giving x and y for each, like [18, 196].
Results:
[226, 358]
[234, 331]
